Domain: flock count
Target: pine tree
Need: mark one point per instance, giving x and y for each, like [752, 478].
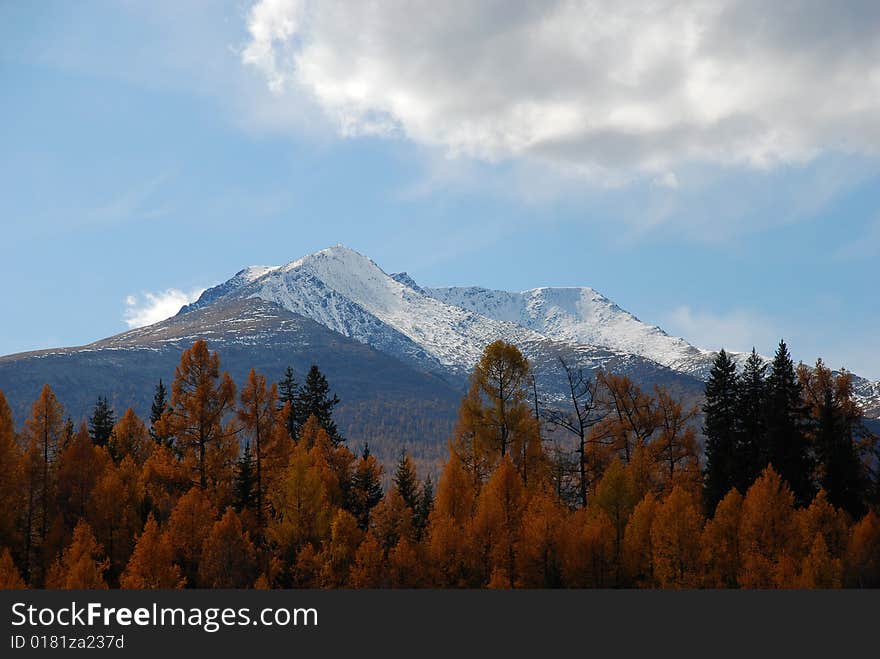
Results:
[157, 409]
[366, 488]
[314, 399]
[719, 427]
[751, 422]
[288, 393]
[788, 449]
[406, 481]
[101, 422]
[425, 506]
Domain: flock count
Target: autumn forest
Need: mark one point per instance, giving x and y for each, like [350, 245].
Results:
[771, 482]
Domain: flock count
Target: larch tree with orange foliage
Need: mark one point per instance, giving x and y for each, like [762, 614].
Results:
[675, 540]
[769, 536]
[496, 419]
[11, 477]
[263, 427]
[228, 555]
[113, 510]
[497, 521]
[81, 465]
[863, 553]
[130, 438]
[720, 543]
[638, 552]
[82, 564]
[152, 562]
[200, 399]
[43, 434]
[189, 525]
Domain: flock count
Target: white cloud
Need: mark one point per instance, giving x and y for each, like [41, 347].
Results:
[150, 308]
[614, 90]
[737, 330]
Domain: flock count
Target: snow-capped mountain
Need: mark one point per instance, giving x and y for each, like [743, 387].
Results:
[579, 316]
[446, 329]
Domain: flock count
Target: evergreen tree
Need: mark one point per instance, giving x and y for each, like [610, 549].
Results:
[287, 395]
[719, 428]
[787, 446]
[751, 422]
[406, 481]
[160, 404]
[313, 399]
[101, 422]
[366, 488]
[245, 480]
[426, 505]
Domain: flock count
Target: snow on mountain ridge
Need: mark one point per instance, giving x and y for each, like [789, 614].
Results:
[578, 315]
[345, 291]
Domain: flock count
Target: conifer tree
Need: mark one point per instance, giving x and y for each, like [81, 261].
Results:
[719, 427]
[425, 506]
[82, 564]
[101, 422]
[258, 417]
[406, 481]
[835, 428]
[152, 562]
[11, 478]
[157, 409]
[720, 543]
[200, 398]
[288, 391]
[314, 399]
[675, 540]
[788, 449]
[366, 488]
[228, 555]
[44, 431]
[495, 418]
[751, 423]
[190, 523]
[130, 438]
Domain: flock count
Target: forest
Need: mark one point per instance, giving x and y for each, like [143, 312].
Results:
[771, 483]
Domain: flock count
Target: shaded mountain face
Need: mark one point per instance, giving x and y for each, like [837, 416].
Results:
[377, 390]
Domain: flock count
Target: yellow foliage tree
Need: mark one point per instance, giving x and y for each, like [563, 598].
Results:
[82, 564]
[190, 523]
[720, 543]
[229, 559]
[152, 562]
[675, 540]
[768, 537]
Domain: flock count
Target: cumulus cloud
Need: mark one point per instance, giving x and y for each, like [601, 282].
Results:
[615, 90]
[149, 308]
[736, 330]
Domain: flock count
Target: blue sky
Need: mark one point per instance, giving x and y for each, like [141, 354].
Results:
[727, 189]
